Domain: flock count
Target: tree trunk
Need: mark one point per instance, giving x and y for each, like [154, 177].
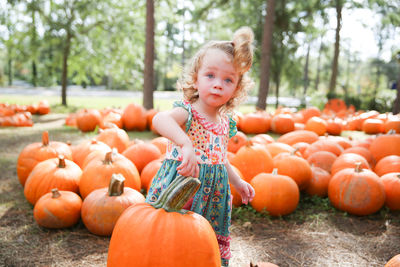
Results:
[278, 83]
[266, 55]
[64, 76]
[305, 79]
[396, 105]
[34, 74]
[148, 86]
[10, 73]
[332, 83]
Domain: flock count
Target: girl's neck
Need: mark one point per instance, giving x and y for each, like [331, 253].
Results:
[212, 114]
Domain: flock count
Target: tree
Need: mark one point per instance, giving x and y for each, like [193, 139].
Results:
[266, 55]
[148, 86]
[335, 61]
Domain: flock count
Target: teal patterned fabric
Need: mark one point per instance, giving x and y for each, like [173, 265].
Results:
[232, 127]
[188, 109]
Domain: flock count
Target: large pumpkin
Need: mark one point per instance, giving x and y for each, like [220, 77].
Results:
[82, 150]
[102, 207]
[97, 173]
[276, 194]
[52, 173]
[134, 117]
[388, 164]
[348, 160]
[114, 137]
[298, 136]
[58, 209]
[319, 182]
[88, 119]
[161, 234]
[356, 191]
[34, 153]
[322, 159]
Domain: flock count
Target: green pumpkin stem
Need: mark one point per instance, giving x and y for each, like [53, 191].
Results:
[116, 187]
[164, 195]
[358, 167]
[178, 194]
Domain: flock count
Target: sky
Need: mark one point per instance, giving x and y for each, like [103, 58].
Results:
[357, 32]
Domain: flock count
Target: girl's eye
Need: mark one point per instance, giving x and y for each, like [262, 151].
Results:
[210, 75]
[228, 80]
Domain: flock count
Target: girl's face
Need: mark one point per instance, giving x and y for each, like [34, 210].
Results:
[217, 79]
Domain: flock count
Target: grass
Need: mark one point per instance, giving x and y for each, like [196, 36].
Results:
[75, 103]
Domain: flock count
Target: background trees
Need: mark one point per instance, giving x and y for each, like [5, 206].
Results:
[102, 43]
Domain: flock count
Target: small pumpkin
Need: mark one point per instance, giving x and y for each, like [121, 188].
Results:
[88, 119]
[385, 145]
[277, 194]
[82, 150]
[298, 136]
[149, 171]
[394, 262]
[114, 137]
[237, 141]
[162, 234]
[34, 153]
[348, 160]
[391, 183]
[102, 207]
[319, 182]
[141, 154]
[322, 159]
[58, 209]
[388, 164]
[58, 173]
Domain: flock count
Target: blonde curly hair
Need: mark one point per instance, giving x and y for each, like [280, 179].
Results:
[241, 51]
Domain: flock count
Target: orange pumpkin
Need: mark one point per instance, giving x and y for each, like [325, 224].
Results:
[58, 209]
[81, 151]
[34, 153]
[388, 164]
[252, 159]
[394, 262]
[141, 154]
[114, 137]
[295, 167]
[348, 160]
[236, 198]
[322, 159]
[52, 173]
[237, 141]
[316, 125]
[391, 183]
[372, 126]
[385, 145]
[97, 173]
[298, 136]
[277, 148]
[277, 194]
[282, 123]
[88, 119]
[323, 145]
[262, 139]
[43, 107]
[102, 207]
[134, 117]
[310, 112]
[392, 123]
[149, 171]
[160, 142]
[362, 151]
[356, 191]
[159, 234]
[319, 182]
[255, 123]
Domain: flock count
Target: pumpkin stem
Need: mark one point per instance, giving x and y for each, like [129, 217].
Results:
[358, 167]
[109, 156]
[55, 193]
[61, 161]
[93, 141]
[294, 151]
[164, 194]
[179, 193]
[45, 138]
[275, 171]
[116, 187]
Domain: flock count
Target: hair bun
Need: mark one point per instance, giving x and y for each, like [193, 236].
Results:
[243, 49]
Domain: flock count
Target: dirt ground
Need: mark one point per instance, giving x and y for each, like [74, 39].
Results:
[314, 235]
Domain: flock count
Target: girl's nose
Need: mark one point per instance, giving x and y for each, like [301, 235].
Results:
[217, 83]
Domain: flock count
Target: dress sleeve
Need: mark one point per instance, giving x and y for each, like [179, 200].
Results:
[232, 127]
[188, 107]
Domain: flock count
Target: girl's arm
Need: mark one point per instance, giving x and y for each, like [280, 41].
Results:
[245, 190]
[168, 124]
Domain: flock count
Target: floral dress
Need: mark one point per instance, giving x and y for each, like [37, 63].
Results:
[213, 199]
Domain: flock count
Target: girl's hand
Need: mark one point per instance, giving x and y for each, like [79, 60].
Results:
[189, 165]
[246, 191]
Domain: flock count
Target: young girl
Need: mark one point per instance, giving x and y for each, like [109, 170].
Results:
[213, 84]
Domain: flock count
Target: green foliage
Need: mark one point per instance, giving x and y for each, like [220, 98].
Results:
[246, 213]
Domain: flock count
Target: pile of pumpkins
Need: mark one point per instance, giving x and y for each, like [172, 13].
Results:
[21, 115]
[101, 181]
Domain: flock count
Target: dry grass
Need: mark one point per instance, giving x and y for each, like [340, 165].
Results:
[314, 235]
